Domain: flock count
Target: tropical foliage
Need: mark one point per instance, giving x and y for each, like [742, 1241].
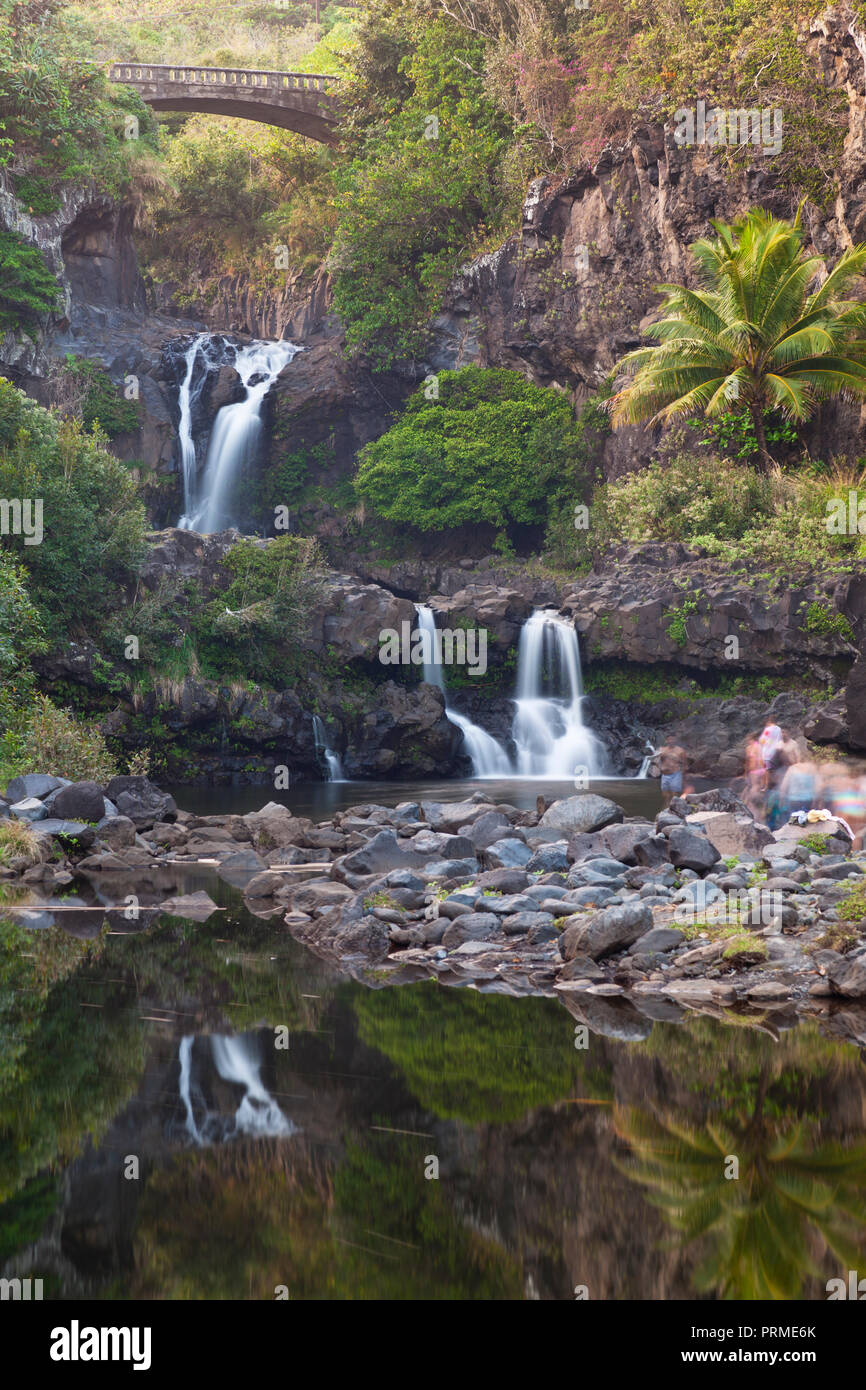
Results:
[760, 330]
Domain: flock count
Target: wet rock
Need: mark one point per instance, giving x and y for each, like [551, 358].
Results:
[580, 967]
[240, 867]
[451, 868]
[488, 828]
[621, 841]
[730, 833]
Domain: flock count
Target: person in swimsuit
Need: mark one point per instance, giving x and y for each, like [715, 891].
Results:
[756, 776]
[672, 761]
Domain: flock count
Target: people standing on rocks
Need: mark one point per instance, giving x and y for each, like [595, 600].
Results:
[848, 802]
[785, 752]
[755, 789]
[672, 761]
[799, 788]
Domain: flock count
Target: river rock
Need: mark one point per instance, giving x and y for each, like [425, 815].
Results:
[117, 832]
[689, 850]
[549, 859]
[140, 800]
[621, 841]
[582, 813]
[488, 828]
[29, 809]
[451, 868]
[472, 926]
[730, 833]
[658, 939]
[73, 833]
[79, 801]
[605, 932]
[33, 784]
[506, 854]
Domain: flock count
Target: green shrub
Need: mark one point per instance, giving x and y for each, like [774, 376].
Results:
[104, 404]
[492, 448]
[54, 741]
[93, 522]
[27, 287]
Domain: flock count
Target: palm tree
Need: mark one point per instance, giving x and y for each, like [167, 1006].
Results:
[752, 333]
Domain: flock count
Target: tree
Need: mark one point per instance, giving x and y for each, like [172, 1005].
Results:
[475, 446]
[752, 335]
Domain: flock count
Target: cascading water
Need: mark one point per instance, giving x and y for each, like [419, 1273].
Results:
[548, 730]
[236, 429]
[489, 758]
[332, 761]
[237, 1060]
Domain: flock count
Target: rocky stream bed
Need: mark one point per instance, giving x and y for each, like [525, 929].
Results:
[626, 920]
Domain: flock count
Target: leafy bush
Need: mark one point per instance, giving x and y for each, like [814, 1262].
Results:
[735, 513]
[426, 184]
[103, 403]
[53, 740]
[252, 629]
[59, 117]
[93, 523]
[27, 287]
[492, 448]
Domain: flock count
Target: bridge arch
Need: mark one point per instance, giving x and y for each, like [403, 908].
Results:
[300, 101]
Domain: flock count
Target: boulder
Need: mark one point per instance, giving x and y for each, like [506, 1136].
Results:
[117, 832]
[471, 926]
[621, 841]
[521, 923]
[140, 800]
[657, 939]
[549, 859]
[605, 932]
[731, 833]
[381, 853]
[237, 869]
[847, 974]
[79, 801]
[582, 813]
[30, 809]
[489, 828]
[72, 833]
[36, 784]
[506, 854]
[274, 827]
[691, 850]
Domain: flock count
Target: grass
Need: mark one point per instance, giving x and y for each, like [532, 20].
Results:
[745, 948]
[18, 840]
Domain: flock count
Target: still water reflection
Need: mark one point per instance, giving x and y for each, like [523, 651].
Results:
[285, 1124]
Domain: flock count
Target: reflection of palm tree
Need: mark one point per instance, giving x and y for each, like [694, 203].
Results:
[766, 1227]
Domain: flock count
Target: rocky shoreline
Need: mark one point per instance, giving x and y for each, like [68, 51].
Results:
[626, 920]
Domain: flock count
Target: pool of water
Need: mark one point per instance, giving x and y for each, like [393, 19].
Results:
[638, 796]
[203, 1110]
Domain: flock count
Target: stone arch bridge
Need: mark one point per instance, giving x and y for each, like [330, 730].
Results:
[300, 101]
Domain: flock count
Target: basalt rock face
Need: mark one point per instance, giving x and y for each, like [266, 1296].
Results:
[658, 602]
[532, 306]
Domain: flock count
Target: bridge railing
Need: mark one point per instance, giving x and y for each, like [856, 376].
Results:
[251, 79]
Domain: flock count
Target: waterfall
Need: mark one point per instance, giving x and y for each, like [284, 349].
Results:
[548, 729]
[235, 433]
[185, 1059]
[335, 767]
[237, 1060]
[645, 765]
[489, 758]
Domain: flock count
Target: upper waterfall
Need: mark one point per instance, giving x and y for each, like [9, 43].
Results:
[234, 439]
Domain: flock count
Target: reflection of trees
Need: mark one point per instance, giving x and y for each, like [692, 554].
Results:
[72, 1044]
[476, 1057]
[237, 1221]
[798, 1206]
